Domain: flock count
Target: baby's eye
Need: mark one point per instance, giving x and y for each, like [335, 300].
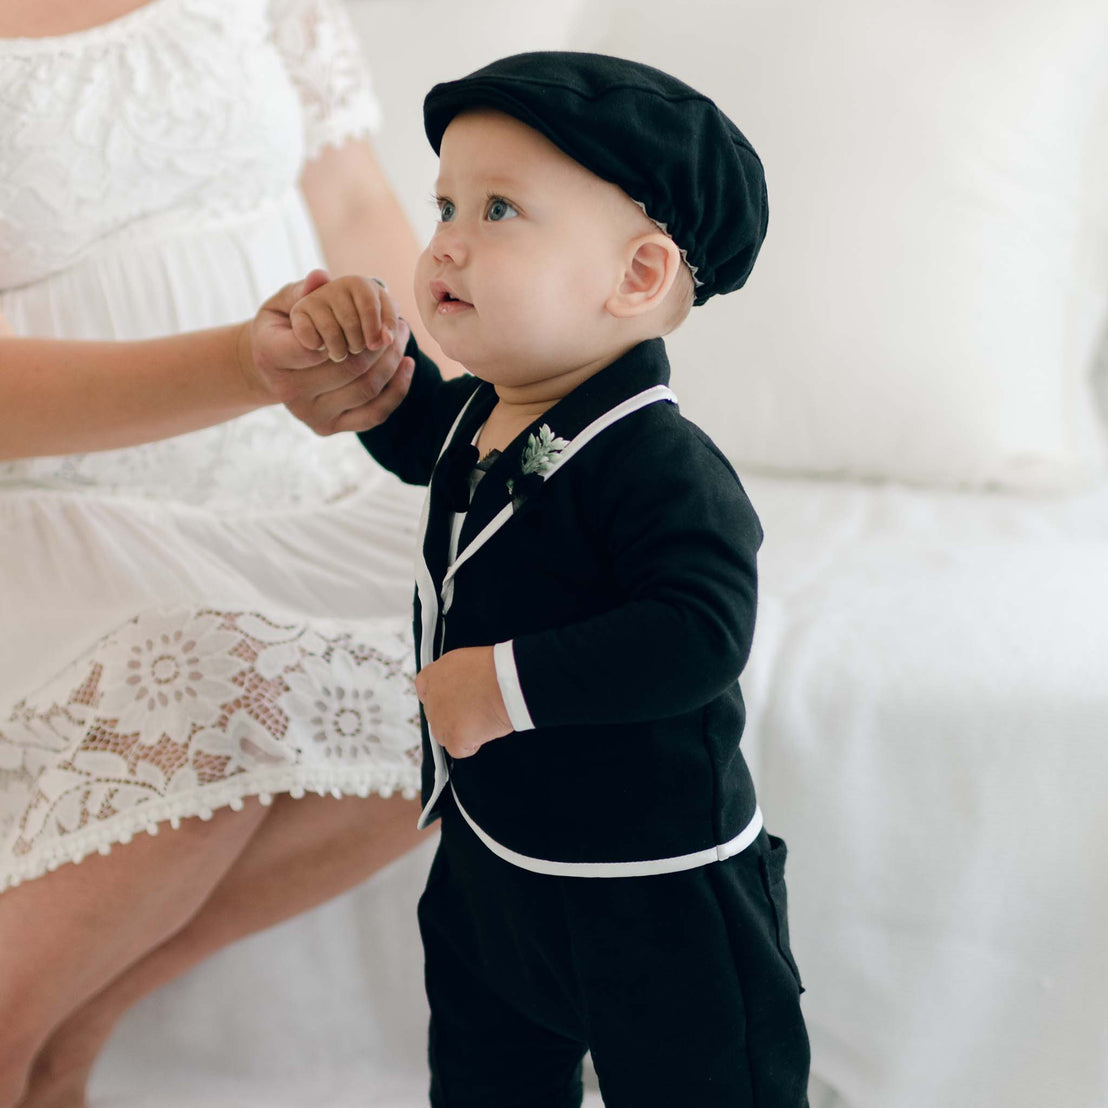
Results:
[499, 209]
[446, 209]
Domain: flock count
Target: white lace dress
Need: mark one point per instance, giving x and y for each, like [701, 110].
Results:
[225, 613]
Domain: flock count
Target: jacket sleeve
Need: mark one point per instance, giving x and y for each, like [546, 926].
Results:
[409, 441]
[682, 538]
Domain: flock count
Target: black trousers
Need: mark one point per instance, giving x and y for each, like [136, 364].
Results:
[682, 985]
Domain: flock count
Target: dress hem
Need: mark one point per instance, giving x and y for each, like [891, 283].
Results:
[359, 781]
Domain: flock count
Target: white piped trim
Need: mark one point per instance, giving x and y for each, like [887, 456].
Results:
[429, 609]
[653, 395]
[644, 868]
[507, 677]
[100, 838]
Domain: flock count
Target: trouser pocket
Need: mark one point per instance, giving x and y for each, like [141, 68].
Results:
[773, 875]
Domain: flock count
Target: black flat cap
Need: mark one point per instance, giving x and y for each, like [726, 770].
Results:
[665, 144]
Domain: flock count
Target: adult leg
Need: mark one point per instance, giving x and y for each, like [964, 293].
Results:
[305, 853]
[65, 935]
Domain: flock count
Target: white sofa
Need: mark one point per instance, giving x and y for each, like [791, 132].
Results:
[907, 387]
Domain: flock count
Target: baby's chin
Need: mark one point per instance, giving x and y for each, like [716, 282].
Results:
[456, 351]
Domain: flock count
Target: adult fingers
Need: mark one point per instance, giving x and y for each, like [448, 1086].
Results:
[326, 376]
[356, 406]
[380, 367]
[300, 387]
[326, 393]
[357, 395]
[377, 410]
[286, 296]
[373, 369]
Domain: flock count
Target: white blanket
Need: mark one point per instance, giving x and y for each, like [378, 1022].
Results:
[928, 725]
[931, 713]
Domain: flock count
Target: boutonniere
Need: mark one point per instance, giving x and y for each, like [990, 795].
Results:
[538, 455]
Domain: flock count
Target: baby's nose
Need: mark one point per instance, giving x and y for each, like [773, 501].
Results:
[448, 244]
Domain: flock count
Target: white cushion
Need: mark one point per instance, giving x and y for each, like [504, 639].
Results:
[935, 278]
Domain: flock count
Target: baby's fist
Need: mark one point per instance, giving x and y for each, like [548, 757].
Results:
[461, 699]
[352, 394]
[345, 316]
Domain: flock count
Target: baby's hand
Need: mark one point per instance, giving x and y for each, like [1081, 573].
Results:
[345, 316]
[462, 701]
[354, 393]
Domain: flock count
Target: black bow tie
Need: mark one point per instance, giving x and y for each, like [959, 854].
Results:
[453, 474]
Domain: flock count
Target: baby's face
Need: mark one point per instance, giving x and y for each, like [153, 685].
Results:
[529, 247]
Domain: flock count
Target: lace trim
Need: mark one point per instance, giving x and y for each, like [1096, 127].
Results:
[100, 840]
[182, 711]
[321, 51]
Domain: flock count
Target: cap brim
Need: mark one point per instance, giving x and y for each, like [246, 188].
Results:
[444, 102]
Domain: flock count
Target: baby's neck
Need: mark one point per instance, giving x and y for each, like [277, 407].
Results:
[519, 405]
[506, 421]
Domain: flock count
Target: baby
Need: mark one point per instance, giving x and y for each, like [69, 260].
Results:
[585, 603]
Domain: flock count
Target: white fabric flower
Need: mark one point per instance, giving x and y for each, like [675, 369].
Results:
[169, 671]
[344, 706]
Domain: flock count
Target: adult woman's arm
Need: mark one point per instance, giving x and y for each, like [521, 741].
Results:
[364, 230]
[63, 397]
[71, 397]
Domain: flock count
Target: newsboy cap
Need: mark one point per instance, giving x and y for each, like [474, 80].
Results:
[665, 144]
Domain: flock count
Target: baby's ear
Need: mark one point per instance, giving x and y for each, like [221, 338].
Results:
[651, 264]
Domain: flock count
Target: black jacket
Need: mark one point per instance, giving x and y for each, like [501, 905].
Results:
[626, 583]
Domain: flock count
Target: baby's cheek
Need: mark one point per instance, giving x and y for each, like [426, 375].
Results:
[421, 286]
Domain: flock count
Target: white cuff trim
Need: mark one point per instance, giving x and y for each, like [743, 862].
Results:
[507, 677]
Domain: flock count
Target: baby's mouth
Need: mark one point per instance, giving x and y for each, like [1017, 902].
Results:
[447, 304]
[445, 300]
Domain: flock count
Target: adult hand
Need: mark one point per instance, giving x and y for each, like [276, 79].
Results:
[461, 699]
[354, 394]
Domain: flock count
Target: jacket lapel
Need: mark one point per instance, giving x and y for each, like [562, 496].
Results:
[640, 368]
[436, 537]
[430, 571]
